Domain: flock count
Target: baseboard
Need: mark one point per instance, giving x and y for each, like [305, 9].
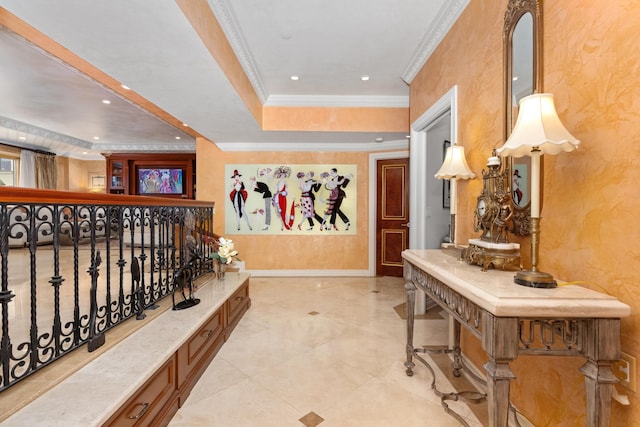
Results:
[309, 273]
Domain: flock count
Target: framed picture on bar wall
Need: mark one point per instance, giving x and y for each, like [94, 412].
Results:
[446, 183]
[291, 199]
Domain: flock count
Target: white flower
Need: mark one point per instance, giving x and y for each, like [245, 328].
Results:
[226, 250]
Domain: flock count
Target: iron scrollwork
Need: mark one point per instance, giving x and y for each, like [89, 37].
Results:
[89, 237]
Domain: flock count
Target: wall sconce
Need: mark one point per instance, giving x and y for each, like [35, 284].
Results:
[538, 131]
[454, 167]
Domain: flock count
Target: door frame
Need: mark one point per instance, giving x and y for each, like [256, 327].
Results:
[418, 176]
[418, 159]
[373, 199]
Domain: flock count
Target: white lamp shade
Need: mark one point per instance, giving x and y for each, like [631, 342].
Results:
[455, 165]
[538, 128]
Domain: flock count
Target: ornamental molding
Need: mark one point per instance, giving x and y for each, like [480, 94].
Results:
[444, 20]
[26, 128]
[62, 144]
[227, 20]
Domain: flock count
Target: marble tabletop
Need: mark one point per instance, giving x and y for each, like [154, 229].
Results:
[96, 391]
[495, 291]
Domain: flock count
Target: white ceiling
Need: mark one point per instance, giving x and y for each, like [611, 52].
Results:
[152, 48]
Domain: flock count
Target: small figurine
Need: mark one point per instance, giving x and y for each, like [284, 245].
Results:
[500, 225]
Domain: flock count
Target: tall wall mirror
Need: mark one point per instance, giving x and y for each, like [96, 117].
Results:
[522, 36]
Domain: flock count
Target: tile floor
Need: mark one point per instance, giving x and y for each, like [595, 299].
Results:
[322, 352]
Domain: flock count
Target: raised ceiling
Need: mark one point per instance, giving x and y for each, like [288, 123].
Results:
[152, 48]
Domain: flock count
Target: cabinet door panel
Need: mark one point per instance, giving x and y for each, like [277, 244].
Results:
[151, 401]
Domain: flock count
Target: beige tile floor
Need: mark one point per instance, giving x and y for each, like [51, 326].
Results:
[321, 352]
[310, 352]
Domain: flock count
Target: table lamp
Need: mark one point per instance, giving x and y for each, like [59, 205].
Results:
[454, 167]
[538, 131]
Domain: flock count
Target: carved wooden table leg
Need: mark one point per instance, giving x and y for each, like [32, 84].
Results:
[602, 348]
[411, 300]
[457, 351]
[500, 341]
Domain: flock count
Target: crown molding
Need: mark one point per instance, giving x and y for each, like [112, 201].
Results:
[442, 23]
[227, 20]
[184, 147]
[229, 24]
[39, 132]
[337, 101]
[319, 147]
[44, 139]
[444, 20]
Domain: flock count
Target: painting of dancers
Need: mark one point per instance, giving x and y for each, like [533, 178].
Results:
[290, 199]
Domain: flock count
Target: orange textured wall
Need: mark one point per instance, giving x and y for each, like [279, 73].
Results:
[276, 252]
[592, 66]
[336, 119]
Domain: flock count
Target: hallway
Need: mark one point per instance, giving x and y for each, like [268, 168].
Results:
[322, 352]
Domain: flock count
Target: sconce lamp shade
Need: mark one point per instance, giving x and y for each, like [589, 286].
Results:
[538, 128]
[455, 165]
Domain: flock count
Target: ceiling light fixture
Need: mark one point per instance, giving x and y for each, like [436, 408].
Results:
[96, 138]
[177, 137]
[22, 138]
[125, 87]
[295, 78]
[106, 101]
[378, 139]
[365, 78]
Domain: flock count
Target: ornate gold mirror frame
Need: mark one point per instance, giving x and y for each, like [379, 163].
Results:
[522, 37]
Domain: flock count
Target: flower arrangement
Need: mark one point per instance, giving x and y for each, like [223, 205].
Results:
[223, 250]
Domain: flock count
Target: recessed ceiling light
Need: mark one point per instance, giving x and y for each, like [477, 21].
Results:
[514, 78]
[295, 78]
[185, 125]
[408, 136]
[96, 138]
[106, 101]
[365, 78]
[177, 137]
[85, 152]
[22, 138]
[378, 139]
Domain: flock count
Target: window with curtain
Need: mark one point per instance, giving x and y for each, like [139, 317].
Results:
[27, 168]
[46, 172]
[9, 165]
[8, 174]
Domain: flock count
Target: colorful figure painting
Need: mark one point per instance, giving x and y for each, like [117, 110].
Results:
[291, 199]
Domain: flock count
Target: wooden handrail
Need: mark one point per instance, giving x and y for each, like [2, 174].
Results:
[32, 195]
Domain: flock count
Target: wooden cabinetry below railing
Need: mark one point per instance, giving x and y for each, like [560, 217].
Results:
[157, 401]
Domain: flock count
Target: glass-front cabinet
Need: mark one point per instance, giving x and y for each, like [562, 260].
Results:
[117, 173]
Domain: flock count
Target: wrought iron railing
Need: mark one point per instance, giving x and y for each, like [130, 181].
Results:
[76, 265]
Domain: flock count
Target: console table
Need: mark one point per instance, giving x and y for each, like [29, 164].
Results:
[511, 320]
